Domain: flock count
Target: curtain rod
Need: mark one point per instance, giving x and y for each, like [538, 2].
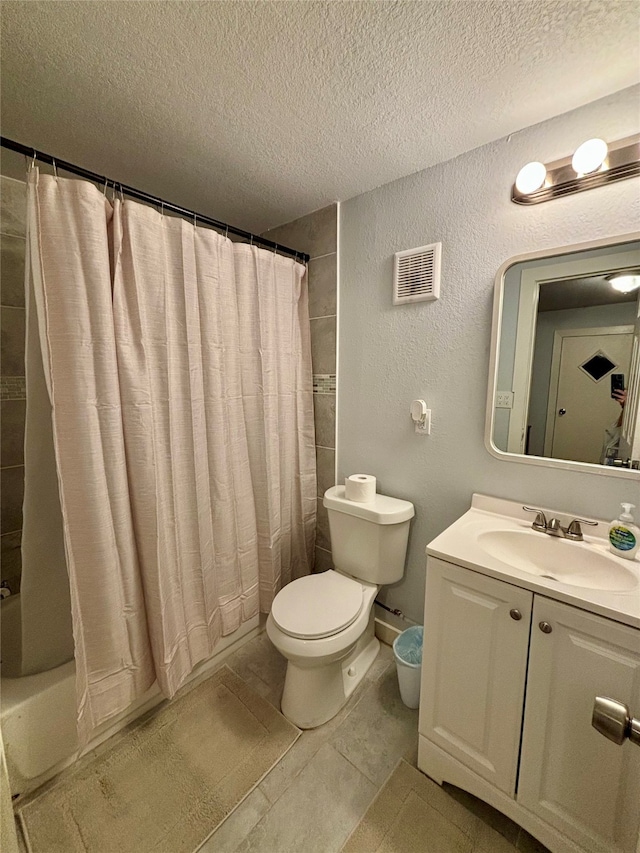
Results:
[142, 196]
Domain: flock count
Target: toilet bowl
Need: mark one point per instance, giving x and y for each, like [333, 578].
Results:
[323, 624]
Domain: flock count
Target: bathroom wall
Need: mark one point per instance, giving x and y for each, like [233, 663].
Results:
[439, 351]
[12, 384]
[317, 234]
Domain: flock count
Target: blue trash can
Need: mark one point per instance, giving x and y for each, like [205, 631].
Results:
[407, 648]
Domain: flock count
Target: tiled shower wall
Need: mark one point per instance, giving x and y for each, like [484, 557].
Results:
[317, 235]
[12, 383]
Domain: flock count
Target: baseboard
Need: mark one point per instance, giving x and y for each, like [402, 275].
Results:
[385, 632]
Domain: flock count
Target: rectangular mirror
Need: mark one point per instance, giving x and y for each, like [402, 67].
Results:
[564, 382]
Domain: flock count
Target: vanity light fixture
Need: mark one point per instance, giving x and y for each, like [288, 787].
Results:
[593, 164]
[589, 157]
[625, 281]
[531, 177]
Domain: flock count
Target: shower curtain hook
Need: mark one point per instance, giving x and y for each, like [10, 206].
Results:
[226, 232]
[195, 223]
[251, 239]
[55, 169]
[104, 191]
[275, 248]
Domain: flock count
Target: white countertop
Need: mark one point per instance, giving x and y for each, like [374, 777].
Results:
[458, 544]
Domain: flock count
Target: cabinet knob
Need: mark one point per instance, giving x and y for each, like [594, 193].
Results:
[545, 627]
[515, 614]
[613, 720]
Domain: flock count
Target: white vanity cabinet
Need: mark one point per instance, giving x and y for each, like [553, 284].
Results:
[474, 669]
[509, 679]
[571, 776]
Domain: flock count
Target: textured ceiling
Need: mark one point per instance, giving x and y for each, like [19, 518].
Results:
[580, 293]
[259, 112]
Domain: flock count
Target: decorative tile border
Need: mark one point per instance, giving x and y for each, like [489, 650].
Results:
[324, 383]
[13, 388]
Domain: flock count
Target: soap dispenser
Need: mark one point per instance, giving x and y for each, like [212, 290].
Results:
[624, 536]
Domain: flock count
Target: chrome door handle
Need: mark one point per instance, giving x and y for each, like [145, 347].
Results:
[613, 720]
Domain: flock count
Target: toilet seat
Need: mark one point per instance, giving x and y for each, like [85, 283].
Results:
[317, 606]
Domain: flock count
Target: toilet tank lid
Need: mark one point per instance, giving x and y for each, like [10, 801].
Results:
[381, 510]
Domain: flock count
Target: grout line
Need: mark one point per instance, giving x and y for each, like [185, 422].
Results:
[336, 420]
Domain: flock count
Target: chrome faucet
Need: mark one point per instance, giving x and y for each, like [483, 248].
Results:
[553, 526]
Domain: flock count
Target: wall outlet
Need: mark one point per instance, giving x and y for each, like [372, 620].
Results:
[504, 400]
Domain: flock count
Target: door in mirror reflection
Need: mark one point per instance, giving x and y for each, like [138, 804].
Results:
[583, 420]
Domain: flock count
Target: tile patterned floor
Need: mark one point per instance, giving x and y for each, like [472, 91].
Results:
[316, 795]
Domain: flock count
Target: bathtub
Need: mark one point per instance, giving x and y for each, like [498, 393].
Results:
[38, 712]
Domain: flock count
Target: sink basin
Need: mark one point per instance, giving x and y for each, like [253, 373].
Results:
[574, 563]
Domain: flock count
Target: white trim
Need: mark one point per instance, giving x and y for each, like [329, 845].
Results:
[523, 359]
[492, 386]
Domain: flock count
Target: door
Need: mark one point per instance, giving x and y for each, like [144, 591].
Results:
[570, 776]
[630, 432]
[476, 635]
[580, 404]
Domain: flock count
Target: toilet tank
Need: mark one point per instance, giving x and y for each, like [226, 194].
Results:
[368, 540]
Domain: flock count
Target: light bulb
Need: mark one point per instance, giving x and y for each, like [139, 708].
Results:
[624, 282]
[589, 156]
[531, 177]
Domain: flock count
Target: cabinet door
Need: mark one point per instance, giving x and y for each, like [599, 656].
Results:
[570, 775]
[473, 669]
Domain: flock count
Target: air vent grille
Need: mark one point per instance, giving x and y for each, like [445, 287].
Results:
[416, 274]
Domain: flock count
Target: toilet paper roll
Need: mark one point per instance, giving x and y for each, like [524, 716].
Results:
[360, 488]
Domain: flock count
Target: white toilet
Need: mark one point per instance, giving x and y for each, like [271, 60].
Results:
[323, 624]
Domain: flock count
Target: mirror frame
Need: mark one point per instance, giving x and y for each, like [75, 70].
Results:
[496, 328]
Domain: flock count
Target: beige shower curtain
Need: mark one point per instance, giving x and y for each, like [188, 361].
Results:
[183, 427]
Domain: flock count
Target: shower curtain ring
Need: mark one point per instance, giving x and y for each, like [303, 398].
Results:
[104, 191]
[226, 232]
[55, 169]
[195, 224]
[275, 248]
[251, 239]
